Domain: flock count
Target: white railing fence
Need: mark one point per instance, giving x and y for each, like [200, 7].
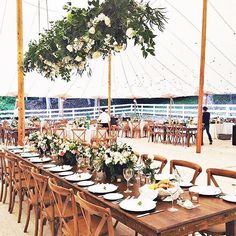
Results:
[182, 111]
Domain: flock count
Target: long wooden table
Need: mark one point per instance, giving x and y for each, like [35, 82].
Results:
[211, 211]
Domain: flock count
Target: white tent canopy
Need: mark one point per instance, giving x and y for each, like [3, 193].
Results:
[173, 72]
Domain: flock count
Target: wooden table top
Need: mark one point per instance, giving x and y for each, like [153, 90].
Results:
[211, 211]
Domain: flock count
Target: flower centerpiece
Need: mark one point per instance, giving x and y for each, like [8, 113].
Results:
[102, 28]
[114, 159]
[34, 120]
[82, 122]
[150, 167]
[68, 152]
[45, 142]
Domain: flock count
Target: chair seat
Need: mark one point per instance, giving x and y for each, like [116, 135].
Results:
[24, 185]
[216, 230]
[48, 198]
[83, 231]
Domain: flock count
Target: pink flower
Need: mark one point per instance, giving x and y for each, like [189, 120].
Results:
[61, 153]
[73, 151]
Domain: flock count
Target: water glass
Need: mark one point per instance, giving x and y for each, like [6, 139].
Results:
[128, 174]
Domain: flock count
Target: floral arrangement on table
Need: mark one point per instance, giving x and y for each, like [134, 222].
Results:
[81, 122]
[102, 28]
[68, 152]
[150, 167]
[45, 142]
[114, 159]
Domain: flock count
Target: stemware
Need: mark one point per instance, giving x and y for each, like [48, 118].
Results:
[44, 149]
[79, 163]
[172, 208]
[25, 141]
[128, 174]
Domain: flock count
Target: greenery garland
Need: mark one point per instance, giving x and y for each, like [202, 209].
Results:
[89, 33]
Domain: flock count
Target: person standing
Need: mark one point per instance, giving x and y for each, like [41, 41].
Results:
[104, 119]
[206, 123]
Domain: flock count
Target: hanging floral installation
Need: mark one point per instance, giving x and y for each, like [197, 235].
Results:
[89, 33]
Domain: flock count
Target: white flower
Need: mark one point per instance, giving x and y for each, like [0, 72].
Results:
[101, 17]
[82, 65]
[69, 48]
[107, 21]
[96, 55]
[108, 161]
[154, 165]
[92, 30]
[130, 32]
[78, 58]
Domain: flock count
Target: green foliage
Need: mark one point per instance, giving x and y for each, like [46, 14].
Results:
[90, 33]
[7, 103]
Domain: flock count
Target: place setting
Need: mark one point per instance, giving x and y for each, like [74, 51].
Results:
[61, 168]
[39, 159]
[29, 154]
[78, 177]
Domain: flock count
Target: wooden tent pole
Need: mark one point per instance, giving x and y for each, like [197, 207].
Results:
[21, 102]
[109, 84]
[201, 81]
[98, 106]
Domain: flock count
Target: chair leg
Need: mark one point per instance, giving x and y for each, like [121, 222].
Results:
[42, 222]
[5, 193]
[2, 189]
[116, 223]
[20, 206]
[11, 199]
[28, 217]
[36, 220]
[52, 227]
[136, 233]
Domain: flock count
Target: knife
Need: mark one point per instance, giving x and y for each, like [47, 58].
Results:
[150, 213]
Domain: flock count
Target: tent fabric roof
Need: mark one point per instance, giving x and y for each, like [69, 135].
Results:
[173, 72]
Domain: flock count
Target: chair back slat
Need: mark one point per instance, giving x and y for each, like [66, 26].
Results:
[78, 134]
[211, 172]
[197, 169]
[91, 210]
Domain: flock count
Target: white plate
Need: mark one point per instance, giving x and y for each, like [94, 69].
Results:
[60, 168]
[49, 165]
[18, 151]
[29, 154]
[39, 160]
[15, 147]
[78, 177]
[113, 196]
[65, 173]
[229, 198]
[164, 176]
[137, 205]
[205, 190]
[86, 183]
[185, 184]
[102, 188]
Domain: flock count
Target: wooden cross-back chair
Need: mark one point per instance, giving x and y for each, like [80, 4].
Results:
[98, 220]
[4, 178]
[78, 134]
[125, 129]
[32, 202]
[170, 133]
[45, 201]
[220, 229]
[159, 158]
[187, 164]
[65, 201]
[180, 135]
[17, 183]
[101, 137]
[136, 130]
[60, 132]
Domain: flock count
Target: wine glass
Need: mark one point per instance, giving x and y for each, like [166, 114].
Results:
[172, 208]
[25, 141]
[128, 174]
[44, 149]
[79, 163]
